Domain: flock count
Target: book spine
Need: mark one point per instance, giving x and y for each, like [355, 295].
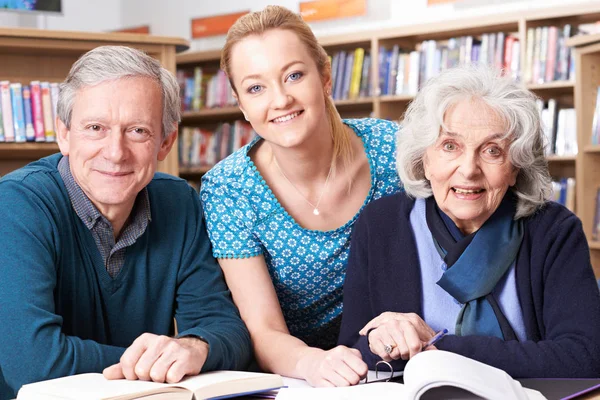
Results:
[16, 92]
[47, 110]
[54, 91]
[359, 55]
[29, 131]
[7, 114]
[37, 113]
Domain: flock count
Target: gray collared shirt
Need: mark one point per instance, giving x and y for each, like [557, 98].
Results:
[113, 254]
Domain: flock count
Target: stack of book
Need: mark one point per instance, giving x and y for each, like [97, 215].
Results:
[28, 112]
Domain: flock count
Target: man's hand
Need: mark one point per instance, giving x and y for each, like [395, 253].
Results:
[160, 359]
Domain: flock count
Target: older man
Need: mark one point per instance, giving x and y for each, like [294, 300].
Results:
[98, 253]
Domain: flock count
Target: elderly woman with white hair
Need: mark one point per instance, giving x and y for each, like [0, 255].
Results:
[472, 245]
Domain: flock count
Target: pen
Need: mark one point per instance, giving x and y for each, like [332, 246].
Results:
[435, 338]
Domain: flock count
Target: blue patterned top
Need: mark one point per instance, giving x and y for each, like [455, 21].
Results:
[308, 267]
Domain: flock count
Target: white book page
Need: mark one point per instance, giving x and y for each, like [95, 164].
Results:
[437, 368]
[86, 387]
[384, 390]
[205, 379]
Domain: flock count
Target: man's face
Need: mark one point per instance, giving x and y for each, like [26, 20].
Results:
[115, 141]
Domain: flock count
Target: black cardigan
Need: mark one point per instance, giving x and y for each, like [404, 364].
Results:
[555, 284]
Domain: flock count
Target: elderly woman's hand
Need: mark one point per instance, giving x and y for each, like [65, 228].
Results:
[394, 336]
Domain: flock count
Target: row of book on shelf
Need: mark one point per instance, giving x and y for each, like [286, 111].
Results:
[204, 88]
[27, 113]
[560, 128]
[563, 192]
[403, 71]
[547, 57]
[201, 147]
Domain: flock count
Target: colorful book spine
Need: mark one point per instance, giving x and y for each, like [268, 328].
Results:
[7, 115]
[29, 131]
[37, 113]
[16, 92]
[359, 55]
[50, 135]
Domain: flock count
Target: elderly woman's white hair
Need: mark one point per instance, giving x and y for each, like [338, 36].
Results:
[513, 103]
[107, 63]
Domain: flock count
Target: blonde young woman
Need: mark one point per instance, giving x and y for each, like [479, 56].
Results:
[280, 211]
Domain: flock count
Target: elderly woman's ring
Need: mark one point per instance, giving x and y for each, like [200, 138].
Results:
[388, 348]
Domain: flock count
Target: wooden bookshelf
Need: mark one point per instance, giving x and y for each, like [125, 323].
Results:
[585, 167]
[587, 61]
[45, 55]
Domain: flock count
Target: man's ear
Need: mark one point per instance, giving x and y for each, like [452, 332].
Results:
[62, 137]
[167, 144]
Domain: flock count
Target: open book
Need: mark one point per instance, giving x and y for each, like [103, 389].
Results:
[433, 374]
[217, 384]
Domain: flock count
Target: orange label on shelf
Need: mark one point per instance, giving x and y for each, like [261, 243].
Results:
[330, 9]
[144, 29]
[434, 2]
[215, 25]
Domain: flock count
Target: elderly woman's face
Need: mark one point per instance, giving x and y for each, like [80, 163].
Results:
[468, 166]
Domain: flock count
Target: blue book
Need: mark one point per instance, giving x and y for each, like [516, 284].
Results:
[16, 94]
[29, 131]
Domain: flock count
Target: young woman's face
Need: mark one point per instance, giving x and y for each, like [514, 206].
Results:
[279, 87]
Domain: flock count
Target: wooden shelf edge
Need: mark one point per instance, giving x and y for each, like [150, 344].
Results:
[583, 40]
[212, 112]
[555, 158]
[398, 98]
[191, 57]
[358, 101]
[551, 85]
[31, 146]
[592, 148]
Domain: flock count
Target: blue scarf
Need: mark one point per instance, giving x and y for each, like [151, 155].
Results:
[476, 263]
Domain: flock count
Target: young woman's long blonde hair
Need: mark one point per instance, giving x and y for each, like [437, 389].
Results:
[276, 17]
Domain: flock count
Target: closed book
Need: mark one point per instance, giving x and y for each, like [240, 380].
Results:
[37, 112]
[29, 131]
[7, 114]
[50, 135]
[16, 94]
[359, 55]
[209, 385]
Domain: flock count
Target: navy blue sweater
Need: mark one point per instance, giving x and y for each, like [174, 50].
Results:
[60, 311]
[555, 284]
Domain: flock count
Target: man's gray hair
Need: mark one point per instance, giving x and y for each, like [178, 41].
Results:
[106, 63]
[513, 103]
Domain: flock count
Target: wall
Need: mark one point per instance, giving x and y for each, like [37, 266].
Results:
[78, 15]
